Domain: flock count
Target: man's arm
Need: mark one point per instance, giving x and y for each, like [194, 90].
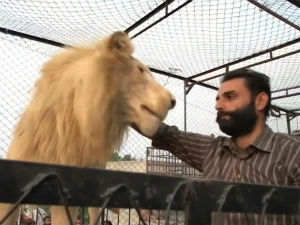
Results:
[192, 148]
[295, 172]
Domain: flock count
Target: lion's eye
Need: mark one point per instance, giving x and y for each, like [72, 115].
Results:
[141, 69]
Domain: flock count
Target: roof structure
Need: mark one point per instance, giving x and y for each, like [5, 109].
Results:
[195, 41]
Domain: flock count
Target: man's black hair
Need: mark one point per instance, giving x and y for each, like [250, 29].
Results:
[255, 81]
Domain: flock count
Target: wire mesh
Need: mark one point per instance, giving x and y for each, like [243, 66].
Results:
[200, 36]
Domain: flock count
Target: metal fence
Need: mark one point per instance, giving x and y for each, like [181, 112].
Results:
[159, 161]
[194, 200]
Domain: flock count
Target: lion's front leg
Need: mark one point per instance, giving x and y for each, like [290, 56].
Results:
[4, 209]
[93, 213]
[59, 215]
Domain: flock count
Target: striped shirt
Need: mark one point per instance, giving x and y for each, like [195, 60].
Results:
[273, 159]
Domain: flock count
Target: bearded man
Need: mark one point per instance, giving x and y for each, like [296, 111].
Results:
[252, 154]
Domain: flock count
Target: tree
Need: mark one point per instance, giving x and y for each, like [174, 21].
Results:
[117, 157]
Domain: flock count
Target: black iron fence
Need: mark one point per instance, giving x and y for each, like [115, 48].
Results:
[34, 183]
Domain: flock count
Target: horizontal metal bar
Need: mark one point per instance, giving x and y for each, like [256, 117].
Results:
[162, 72]
[149, 15]
[90, 187]
[286, 96]
[31, 37]
[191, 82]
[266, 9]
[247, 58]
[278, 108]
[295, 2]
[253, 64]
[162, 18]
[286, 89]
[298, 109]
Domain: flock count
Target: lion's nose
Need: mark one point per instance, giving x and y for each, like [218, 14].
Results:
[173, 101]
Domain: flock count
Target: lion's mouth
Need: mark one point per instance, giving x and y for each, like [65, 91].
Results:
[152, 112]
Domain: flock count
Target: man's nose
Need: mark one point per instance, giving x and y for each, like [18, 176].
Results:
[219, 105]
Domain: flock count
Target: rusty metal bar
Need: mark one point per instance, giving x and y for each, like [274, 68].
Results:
[266, 9]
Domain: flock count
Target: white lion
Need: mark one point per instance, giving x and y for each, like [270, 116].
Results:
[83, 104]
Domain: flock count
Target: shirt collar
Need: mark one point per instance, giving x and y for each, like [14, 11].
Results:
[262, 142]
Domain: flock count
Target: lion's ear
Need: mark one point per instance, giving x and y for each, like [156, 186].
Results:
[120, 42]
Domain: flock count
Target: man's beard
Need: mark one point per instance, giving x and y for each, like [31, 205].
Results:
[241, 121]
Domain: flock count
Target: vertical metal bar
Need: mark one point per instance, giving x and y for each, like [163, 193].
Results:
[129, 213]
[37, 215]
[196, 215]
[147, 159]
[82, 214]
[288, 122]
[158, 222]
[184, 102]
[102, 217]
[118, 218]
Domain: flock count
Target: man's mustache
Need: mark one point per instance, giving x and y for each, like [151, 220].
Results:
[225, 113]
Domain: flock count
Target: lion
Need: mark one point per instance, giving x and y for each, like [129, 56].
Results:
[83, 105]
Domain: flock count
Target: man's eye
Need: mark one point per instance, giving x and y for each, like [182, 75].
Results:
[232, 96]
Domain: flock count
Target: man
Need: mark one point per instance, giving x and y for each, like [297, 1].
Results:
[47, 220]
[27, 217]
[253, 153]
[78, 221]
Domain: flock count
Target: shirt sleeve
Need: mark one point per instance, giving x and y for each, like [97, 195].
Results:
[295, 173]
[192, 148]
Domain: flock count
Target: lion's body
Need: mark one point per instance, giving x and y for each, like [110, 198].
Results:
[82, 106]
[58, 125]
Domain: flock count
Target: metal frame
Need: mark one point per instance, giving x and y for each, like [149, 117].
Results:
[286, 92]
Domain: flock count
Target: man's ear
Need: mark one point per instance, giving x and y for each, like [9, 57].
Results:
[261, 101]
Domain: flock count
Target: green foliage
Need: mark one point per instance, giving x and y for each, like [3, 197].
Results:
[117, 157]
